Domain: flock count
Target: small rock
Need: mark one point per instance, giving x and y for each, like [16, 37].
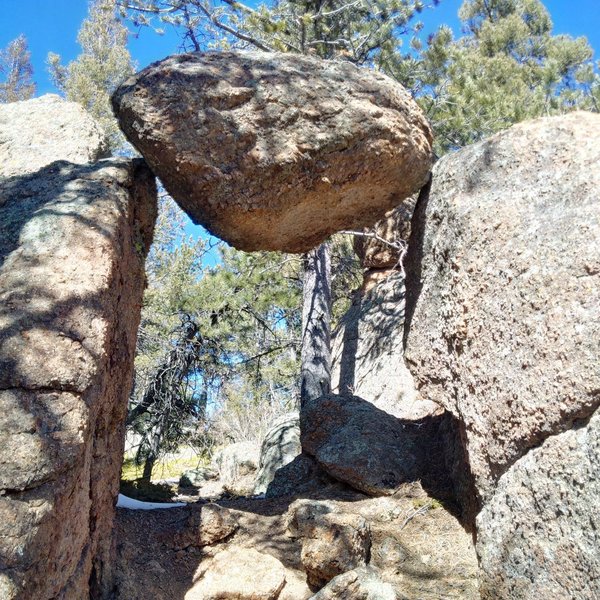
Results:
[367, 448]
[196, 477]
[235, 461]
[333, 543]
[209, 525]
[280, 446]
[239, 574]
[359, 584]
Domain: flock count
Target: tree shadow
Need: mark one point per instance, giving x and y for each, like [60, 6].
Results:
[370, 329]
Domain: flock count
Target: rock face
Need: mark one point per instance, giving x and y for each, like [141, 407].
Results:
[279, 448]
[73, 241]
[545, 510]
[276, 151]
[331, 543]
[368, 353]
[240, 574]
[236, 460]
[370, 450]
[36, 132]
[504, 322]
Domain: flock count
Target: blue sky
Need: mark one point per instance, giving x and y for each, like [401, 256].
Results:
[52, 25]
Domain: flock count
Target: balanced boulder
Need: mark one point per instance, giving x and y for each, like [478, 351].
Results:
[276, 151]
[503, 307]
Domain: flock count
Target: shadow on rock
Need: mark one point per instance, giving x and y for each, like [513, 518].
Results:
[356, 443]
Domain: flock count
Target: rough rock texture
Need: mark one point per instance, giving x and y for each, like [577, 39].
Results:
[362, 583]
[370, 450]
[538, 534]
[504, 322]
[35, 133]
[279, 448]
[236, 460]
[73, 241]
[239, 574]
[276, 151]
[331, 543]
[299, 477]
[368, 353]
[207, 524]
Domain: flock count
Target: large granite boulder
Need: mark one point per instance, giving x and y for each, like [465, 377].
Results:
[73, 241]
[280, 446]
[368, 354]
[35, 133]
[369, 449]
[504, 321]
[276, 151]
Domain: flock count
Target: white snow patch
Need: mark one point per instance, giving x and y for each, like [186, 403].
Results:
[126, 502]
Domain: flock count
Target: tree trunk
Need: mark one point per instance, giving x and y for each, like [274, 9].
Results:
[316, 325]
[148, 466]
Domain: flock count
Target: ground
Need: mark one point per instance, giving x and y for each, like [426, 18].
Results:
[417, 544]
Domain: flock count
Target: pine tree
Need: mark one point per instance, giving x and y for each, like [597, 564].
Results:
[508, 67]
[362, 31]
[16, 72]
[100, 68]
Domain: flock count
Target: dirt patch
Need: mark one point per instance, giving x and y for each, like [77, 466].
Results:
[416, 545]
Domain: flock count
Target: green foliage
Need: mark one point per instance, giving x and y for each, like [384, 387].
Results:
[16, 72]
[356, 31]
[240, 370]
[102, 65]
[508, 67]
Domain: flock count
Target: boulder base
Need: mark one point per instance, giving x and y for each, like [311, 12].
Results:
[276, 151]
[369, 449]
[73, 240]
